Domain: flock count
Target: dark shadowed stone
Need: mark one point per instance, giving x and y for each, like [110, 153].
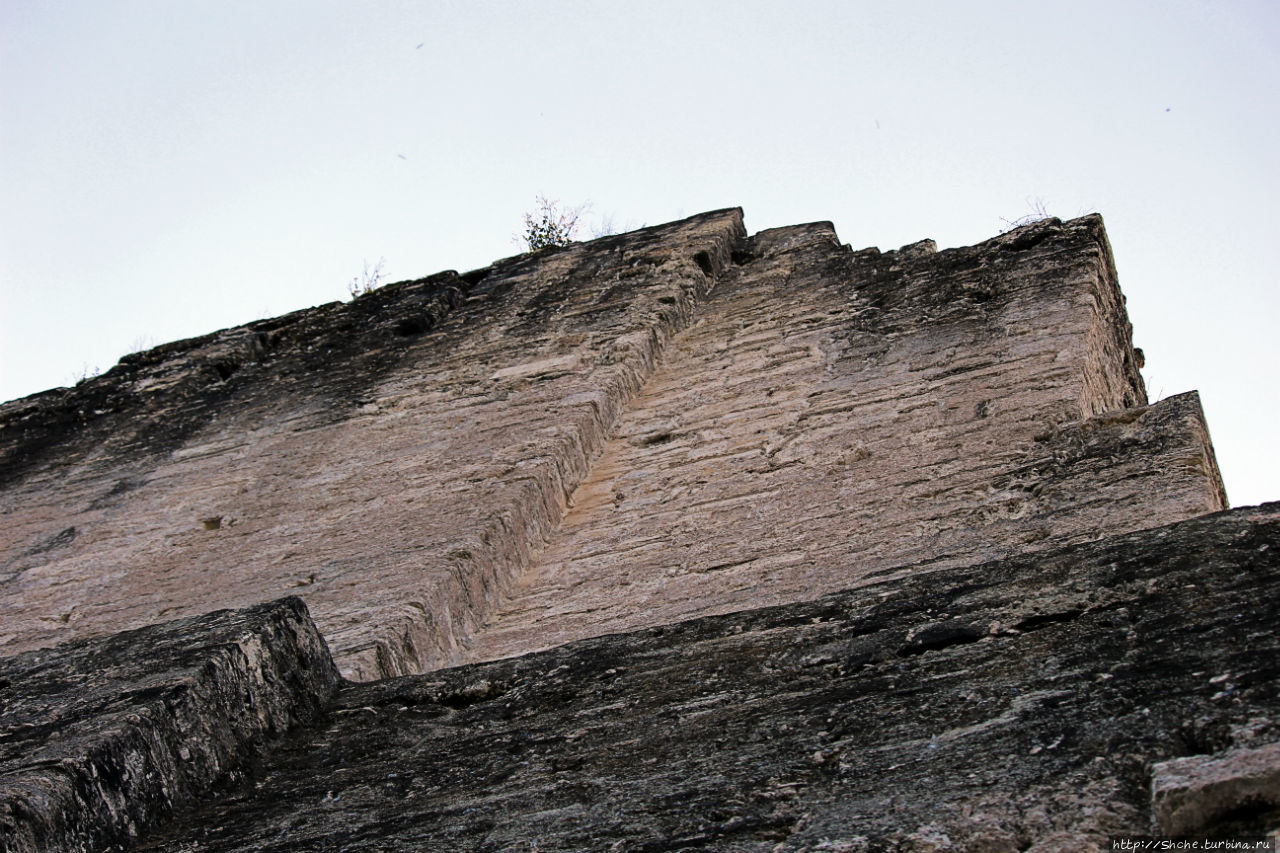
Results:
[102, 738]
[1015, 705]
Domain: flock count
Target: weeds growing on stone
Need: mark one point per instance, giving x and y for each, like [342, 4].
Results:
[549, 225]
[369, 280]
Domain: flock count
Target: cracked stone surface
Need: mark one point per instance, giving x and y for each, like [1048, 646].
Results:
[831, 414]
[647, 427]
[1018, 705]
[677, 539]
[101, 739]
[392, 460]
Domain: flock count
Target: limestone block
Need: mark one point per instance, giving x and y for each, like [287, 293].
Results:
[1196, 794]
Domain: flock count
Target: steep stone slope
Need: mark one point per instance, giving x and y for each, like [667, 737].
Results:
[993, 626]
[392, 460]
[404, 462]
[831, 414]
[1041, 702]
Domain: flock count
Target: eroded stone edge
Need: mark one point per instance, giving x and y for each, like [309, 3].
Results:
[264, 671]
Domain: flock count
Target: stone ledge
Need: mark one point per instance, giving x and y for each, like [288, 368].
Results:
[1019, 704]
[101, 739]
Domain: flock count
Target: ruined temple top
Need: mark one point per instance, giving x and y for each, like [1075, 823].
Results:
[467, 466]
[682, 538]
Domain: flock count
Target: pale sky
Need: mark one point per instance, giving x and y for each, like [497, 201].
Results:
[172, 167]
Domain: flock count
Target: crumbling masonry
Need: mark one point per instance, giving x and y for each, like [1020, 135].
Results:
[686, 539]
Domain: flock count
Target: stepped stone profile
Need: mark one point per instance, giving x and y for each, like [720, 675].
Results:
[682, 539]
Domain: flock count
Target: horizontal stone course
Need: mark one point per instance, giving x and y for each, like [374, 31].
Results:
[748, 543]
[832, 414]
[393, 460]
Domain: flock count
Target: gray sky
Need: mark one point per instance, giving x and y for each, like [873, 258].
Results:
[171, 168]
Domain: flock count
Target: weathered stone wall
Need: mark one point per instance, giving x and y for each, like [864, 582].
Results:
[392, 460]
[1023, 643]
[1038, 703]
[832, 414]
[103, 740]
[728, 422]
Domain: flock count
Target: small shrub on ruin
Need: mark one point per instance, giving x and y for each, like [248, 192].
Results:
[1038, 212]
[368, 281]
[549, 225]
